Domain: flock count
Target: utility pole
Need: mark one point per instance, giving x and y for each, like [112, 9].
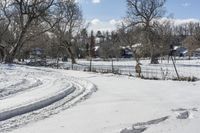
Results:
[91, 52]
[171, 54]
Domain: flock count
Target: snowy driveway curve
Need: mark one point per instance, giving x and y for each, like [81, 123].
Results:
[122, 104]
[26, 90]
[125, 102]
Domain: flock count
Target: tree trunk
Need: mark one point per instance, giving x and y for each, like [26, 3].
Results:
[2, 53]
[113, 70]
[71, 55]
[154, 59]
[9, 58]
[11, 54]
[90, 68]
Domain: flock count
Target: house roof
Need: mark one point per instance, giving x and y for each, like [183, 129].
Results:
[197, 50]
[96, 48]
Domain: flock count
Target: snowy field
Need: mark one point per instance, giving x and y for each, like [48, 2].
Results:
[121, 104]
[163, 70]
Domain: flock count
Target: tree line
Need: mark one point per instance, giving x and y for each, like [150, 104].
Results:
[58, 27]
[37, 22]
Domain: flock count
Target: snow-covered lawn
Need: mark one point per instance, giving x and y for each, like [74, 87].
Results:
[164, 70]
[119, 103]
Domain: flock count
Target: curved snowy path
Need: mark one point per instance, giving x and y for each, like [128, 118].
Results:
[122, 102]
[28, 94]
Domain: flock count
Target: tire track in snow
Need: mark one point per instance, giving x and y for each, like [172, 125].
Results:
[83, 89]
[14, 89]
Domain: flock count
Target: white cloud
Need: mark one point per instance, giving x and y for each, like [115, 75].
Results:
[78, 1]
[110, 25]
[184, 21]
[96, 1]
[88, 1]
[95, 21]
[115, 22]
[186, 4]
[83, 1]
[180, 21]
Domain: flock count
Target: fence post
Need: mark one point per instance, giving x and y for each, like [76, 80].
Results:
[112, 66]
[175, 68]
[90, 69]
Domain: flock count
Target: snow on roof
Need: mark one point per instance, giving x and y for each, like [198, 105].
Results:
[176, 47]
[197, 50]
[185, 52]
[136, 45]
[96, 48]
[133, 46]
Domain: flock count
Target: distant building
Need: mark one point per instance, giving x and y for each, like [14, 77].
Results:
[37, 57]
[36, 52]
[180, 51]
[126, 52]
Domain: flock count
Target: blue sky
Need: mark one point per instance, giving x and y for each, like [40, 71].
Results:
[183, 9]
[105, 13]
[104, 10]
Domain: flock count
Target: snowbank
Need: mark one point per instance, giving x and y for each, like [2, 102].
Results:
[19, 110]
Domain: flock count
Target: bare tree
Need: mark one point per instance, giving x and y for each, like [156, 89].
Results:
[24, 15]
[110, 47]
[84, 43]
[197, 33]
[163, 37]
[191, 44]
[130, 38]
[188, 35]
[145, 12]
[71, 20]
[5, 17]
[5, 20]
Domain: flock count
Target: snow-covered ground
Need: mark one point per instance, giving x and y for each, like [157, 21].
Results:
[25, 100]
[163, 70]
[161, 106]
